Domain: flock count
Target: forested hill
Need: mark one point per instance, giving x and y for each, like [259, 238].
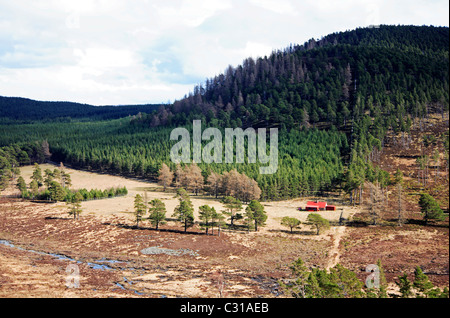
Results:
[389, 73]
[334, 100]
[27, 109]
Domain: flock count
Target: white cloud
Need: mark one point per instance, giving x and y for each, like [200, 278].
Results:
[127, 52]
[102, 58]
[190, 13]
[278, 6]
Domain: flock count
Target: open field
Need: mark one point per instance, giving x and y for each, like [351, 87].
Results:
[108, 249]
[124, 205]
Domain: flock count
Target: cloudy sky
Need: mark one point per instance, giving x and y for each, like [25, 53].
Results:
[133, 52]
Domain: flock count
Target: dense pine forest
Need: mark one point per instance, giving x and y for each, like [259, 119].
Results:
[333, 101]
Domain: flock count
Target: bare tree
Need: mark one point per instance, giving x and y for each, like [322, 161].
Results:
[165, 177]
[250, 189]
[436, 159]
[46, 150]
[179, 175]
[376, 202]
[398, 177]
[195, 178]
[214, 180]
[240, 186]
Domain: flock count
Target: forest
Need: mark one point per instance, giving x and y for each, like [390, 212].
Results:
[333, 100]
[62, 111]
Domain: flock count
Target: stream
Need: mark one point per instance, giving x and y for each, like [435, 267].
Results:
[100, 264]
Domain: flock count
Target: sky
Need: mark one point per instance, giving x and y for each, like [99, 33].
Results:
[122, 52]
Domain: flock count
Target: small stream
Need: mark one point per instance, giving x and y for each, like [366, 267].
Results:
[100, 264]
[62, 257]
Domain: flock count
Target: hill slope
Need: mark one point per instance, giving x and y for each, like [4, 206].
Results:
[388, 73]
[18, 108]
[334, 100]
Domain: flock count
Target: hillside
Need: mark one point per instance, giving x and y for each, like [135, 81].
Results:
[17, 108]
[334, 100]
[388, 73]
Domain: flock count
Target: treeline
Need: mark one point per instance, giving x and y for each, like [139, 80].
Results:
[15, 155]
[310, 160]
[64, 111]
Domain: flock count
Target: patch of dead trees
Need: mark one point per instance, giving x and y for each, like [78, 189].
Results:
[191, 178]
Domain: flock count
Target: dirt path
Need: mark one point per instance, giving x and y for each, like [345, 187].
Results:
[334, 252]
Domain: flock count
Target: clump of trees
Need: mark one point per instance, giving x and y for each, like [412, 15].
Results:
[191, 178]
[14, 156]
[55, 186]
[209, 217]
[420, 287]
[156, 209]
[340, 282]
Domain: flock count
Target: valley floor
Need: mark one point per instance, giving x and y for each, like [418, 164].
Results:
[40, 241]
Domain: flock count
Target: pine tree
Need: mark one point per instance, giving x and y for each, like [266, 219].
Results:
[421, 281]
[255, 212]
[184, 213]
[430, 208]
[37, 175]
[157, 212]
[34, 188]
[22, 186]
[297, 287]
[48, 177]
[232, 206]
[139, 208]
[217, 220]
[382, 291]
[57, 193]
[205, 215]
[290, 222]
[318, 221]
[405, 286]
[75, 208]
